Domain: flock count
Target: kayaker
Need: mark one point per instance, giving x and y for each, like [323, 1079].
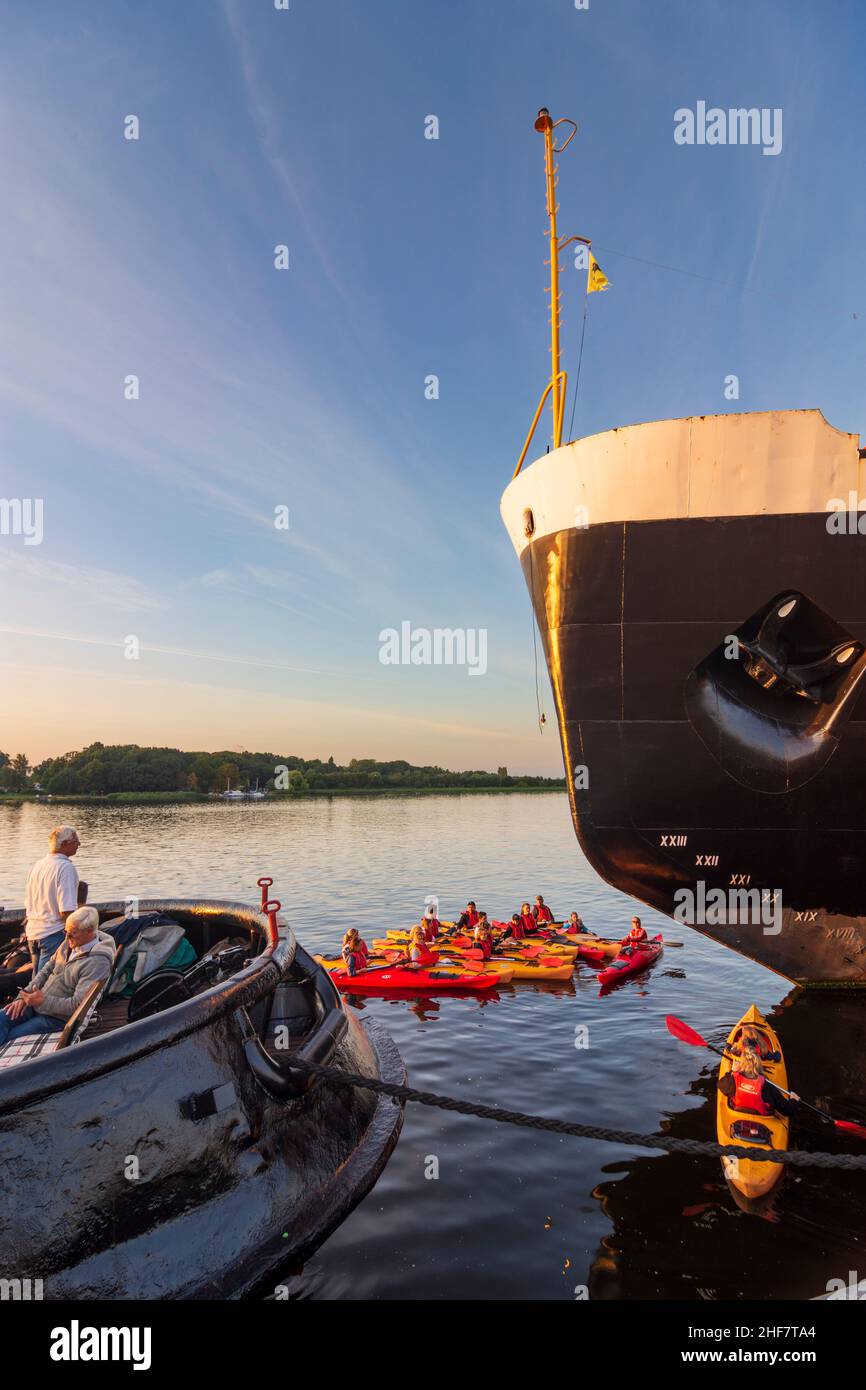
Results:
[637, 933]
[483, 936]
[431, 926]
[530, 926]
[515, 928]
[469, 918]
[575, 924]
[419, 951]
[541, 912]
[354, 951]
[747, 1088]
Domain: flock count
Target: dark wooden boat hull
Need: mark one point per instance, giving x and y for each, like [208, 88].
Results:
[162, 1161]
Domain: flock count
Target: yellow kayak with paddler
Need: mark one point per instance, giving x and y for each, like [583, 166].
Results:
[745, 1128]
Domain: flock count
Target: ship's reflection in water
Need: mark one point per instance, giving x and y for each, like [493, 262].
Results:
[681, 1230]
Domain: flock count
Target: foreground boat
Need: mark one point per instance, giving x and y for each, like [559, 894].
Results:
[698, 585]
[179, 1155]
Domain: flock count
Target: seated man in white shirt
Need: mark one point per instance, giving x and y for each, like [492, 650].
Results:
[51, 894]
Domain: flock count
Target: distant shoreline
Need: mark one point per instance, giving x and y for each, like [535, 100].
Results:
[273, 798]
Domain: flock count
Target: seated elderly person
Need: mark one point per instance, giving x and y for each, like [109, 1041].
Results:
[86, 955]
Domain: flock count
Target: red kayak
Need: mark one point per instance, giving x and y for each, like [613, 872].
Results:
[419, 981]
[630, 960]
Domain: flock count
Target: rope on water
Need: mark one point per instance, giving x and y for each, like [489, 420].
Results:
[794, 1158]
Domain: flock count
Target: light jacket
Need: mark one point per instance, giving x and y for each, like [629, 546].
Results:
[65, 982]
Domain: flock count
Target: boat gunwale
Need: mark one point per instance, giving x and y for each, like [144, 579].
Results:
[32, 1082]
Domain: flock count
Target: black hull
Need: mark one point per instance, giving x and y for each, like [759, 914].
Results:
[688, 783]
[161, 1160]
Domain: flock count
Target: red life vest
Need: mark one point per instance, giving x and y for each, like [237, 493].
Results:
[485, 945]
[421, 956]
[431, 928]
[543, 914]
[471, 917]
[517, 929]
[639, 935]
[359, 954]
[749, 1094]
[529, 922]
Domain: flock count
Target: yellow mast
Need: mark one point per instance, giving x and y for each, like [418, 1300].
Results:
[556, 387]
[545, 125]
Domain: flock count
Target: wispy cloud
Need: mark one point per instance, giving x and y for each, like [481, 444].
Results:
[88, 584]
[265, 120]
[188, 653]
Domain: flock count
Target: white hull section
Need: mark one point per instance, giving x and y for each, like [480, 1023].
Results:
[763, 463]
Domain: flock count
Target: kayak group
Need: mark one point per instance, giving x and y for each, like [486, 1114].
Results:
[488, 938]
[754, 1106]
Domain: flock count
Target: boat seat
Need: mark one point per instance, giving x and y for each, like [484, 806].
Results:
[112, 1013]
[28, 1048]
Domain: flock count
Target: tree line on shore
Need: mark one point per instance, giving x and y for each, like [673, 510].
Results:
[104, 769]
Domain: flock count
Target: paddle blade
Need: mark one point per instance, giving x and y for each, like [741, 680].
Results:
[683, 1032]
[850, 1128]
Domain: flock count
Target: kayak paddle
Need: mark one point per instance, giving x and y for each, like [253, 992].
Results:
[685, 1034]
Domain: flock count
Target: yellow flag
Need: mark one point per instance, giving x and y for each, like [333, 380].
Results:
[595, 276]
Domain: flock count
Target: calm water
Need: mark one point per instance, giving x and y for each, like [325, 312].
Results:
[515, 1214]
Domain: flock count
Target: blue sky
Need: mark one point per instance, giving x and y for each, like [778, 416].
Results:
[408, 257]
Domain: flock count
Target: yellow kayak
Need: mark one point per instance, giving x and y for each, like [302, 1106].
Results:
[513, 949]
[534, 970]
[553, 965]
[752, 1179]
[501, 969]
[549, 967]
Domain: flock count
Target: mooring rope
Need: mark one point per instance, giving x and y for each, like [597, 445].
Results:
[794, 1158]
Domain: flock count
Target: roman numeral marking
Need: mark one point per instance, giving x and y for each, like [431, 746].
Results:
[673, 841]
[740, 880]
[706, 861]
[806, 916]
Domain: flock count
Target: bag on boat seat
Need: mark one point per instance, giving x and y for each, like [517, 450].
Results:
[145, 944]
[169, 986]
